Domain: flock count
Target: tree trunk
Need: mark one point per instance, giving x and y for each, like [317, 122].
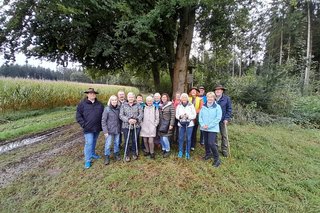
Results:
[308, 65]
[171, 58]
[281, 44]
[184, 40]
[156, 74]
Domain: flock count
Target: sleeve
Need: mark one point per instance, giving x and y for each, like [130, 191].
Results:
[79, 115]
[193, 113]
[104, 120]
[229, 109]
[122, 115]
[172, 115]
[217, 119]
[201, 122]
[140, 115]
[156, 122]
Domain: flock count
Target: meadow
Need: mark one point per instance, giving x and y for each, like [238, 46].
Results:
[27, 94]
[272, 169]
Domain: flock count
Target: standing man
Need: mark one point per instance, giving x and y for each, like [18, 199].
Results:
[225, 103]
[89, 115]
[121, 99]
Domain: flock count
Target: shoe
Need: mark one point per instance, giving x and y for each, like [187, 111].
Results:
[225, 153]
[180, 154]
[95, 156]
[117, 156]
[187, 156]
[107, 160]
[127, 159]
[207, 157]
[192, 148]
[146, 153]
[134, 157]
[152, 156]
[87, 164]
[216, 163]
[166, 154]
[202, 144]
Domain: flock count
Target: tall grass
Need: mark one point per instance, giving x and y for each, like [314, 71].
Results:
[25, 94]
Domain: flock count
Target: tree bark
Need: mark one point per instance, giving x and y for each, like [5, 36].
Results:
[281, 44]
[171, 58]
[156, 74]
[308, 66]
[184, 40]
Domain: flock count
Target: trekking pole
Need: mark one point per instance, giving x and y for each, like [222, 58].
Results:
[136, 139]
[225, 125]
[127, 142]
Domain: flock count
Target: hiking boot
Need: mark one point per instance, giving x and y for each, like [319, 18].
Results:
[146, 153]
[127, 159]
[166, 154]
[87, 164]
[117, 156]
[192, 148]
[216, 163]
[187, 155]
[206, 157]
[180, 154]
[134, 157]
[107, 160]
[225, 153]
[152, 156]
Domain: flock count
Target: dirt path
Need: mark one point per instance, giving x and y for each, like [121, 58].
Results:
[25, 158]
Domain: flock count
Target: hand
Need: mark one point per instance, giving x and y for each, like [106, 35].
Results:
[132, 121]
[205, 126]
[106, 135]
[170, 127]
[226, 122]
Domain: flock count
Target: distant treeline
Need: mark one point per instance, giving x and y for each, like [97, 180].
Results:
[27, 71]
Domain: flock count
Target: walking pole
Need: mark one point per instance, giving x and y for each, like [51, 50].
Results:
[135, 135]
[225, 125]
[127, 141]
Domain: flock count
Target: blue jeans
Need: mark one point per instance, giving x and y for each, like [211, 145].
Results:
[182, 131]
[165, 143]
[90, 144]
[116, 139]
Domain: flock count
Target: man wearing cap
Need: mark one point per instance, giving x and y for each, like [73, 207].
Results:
[225, 103]
[197, 103]
[89, 115]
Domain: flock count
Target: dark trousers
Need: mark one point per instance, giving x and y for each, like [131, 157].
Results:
[224, 141]
[194, 135]
[176, 131]
[209, 141]
[131, 143]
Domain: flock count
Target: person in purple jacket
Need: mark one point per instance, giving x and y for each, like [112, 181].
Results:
[225, 103]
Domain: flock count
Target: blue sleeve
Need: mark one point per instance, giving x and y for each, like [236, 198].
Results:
[217, 119]
[200, 118]
[228, 109]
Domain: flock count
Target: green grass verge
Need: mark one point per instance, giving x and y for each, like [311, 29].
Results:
[29, 122]
[272, 169]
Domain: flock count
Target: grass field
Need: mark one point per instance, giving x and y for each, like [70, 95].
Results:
[26, 94]
[272, 169]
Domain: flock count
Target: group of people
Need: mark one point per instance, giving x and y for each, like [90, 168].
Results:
[158, 120]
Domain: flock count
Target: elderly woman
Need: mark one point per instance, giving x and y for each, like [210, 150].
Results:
[167, 120]
[185, 114]
[209, 119]
[131, 115]
[149, 126]
[111, 128]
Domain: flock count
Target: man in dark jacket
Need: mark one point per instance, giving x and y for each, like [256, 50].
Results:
[225, 103]
[89, 115]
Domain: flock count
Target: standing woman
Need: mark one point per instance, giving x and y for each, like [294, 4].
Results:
[185, 113]
[89, 114]
[209, 119]
[149, 126]
[111, 128]
[167, 120]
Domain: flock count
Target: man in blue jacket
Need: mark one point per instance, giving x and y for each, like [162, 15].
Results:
[89, 115]
[225, 103]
